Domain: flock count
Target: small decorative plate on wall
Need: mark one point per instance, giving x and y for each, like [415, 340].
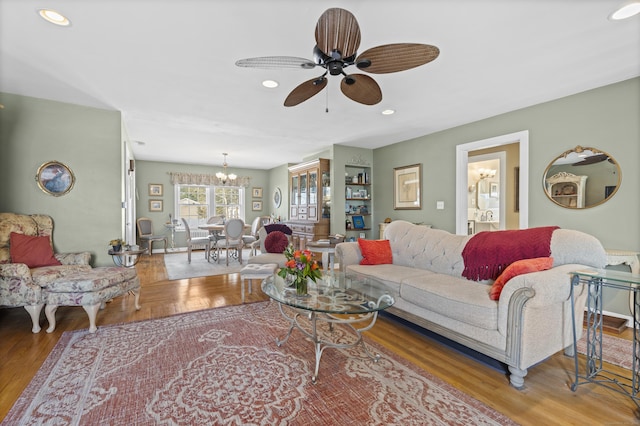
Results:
[277, 197]
[55, 178]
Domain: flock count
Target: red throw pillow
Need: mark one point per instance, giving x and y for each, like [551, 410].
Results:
[32, 251]
[519, 267]
[375, 252]
[276, 242]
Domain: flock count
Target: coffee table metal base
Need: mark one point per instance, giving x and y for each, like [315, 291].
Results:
[293, 317]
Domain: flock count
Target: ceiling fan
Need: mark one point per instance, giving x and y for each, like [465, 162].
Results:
[337, 41]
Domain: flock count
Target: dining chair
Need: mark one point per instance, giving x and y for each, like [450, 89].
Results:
[251, 239]
[146, 235]
[232, 239]
[215, 219]
[196, 241]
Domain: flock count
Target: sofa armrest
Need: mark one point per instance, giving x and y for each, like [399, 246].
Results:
[15, 270]
[550, 286]
[348, 254]
[81, 258]
[542, 289]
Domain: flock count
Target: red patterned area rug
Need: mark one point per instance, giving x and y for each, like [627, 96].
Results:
[615, 350]
[222, 366]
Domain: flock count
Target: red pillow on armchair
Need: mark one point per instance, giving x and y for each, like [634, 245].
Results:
[32, 251]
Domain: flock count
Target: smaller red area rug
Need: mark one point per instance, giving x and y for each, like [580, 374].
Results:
[223, 367]
[615, 350]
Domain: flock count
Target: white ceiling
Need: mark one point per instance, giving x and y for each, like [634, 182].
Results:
[169, 66]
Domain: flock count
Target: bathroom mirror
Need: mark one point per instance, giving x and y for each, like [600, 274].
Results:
[581, 177]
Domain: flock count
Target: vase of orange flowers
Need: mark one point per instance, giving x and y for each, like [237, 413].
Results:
[299, 268]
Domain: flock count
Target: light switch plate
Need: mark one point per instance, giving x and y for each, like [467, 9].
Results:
[440, 205]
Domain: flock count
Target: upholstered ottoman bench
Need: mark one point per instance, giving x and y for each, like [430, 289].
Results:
[254, 271]
[90, 289]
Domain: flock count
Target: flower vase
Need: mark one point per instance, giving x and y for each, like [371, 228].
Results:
[301, 286]
[299, 283]
[117, 248]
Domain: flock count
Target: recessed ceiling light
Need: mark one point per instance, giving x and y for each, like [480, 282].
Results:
[625, 11]
[54, 17]
[270, 84]
[388, 112]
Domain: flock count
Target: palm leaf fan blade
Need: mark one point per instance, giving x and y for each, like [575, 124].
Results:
[396, 57]
[305, 91]
[363, 89]
[276, 62]
[338, 29]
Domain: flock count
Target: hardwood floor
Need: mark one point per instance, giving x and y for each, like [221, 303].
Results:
[546, 399]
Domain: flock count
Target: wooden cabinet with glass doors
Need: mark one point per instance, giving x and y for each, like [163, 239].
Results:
[309, 201]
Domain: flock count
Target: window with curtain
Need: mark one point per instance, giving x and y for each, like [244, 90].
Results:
[228, 202]
[197, 203]
[192, 203]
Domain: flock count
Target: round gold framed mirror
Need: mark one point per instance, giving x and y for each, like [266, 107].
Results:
[581, 177]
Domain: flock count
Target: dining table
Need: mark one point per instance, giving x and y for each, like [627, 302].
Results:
[216, 231]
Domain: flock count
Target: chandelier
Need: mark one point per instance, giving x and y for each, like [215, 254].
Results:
[222, 176]
[486, 173]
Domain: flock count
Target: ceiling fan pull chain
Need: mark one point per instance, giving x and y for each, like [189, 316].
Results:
[326, 108]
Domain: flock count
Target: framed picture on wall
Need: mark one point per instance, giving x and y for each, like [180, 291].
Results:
[55, 178]
[406, 187]
[155, 205]
[256, 192]
[155, 190]
[256, 205]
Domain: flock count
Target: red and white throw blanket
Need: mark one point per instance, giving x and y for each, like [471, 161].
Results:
[487, 254]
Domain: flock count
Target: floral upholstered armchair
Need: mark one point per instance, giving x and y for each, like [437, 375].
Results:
[27, 262]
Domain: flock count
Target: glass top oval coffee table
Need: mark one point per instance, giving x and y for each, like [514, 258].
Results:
[349, 300]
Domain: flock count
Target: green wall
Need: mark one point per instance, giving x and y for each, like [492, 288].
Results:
[87, 140]
[279, 178]
[606, 118]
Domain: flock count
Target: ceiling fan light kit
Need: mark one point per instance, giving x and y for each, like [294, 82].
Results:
[337, 41]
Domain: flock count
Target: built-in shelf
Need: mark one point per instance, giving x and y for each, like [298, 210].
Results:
[358, 199]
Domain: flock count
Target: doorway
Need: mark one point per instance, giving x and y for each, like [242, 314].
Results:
[487, 189]
[462, 176]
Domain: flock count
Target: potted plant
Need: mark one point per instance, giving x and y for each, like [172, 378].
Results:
[117, 244]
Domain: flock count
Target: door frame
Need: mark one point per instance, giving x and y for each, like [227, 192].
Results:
[462, 163]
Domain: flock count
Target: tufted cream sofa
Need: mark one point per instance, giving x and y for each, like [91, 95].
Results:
[530, 321]
[73, 283]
